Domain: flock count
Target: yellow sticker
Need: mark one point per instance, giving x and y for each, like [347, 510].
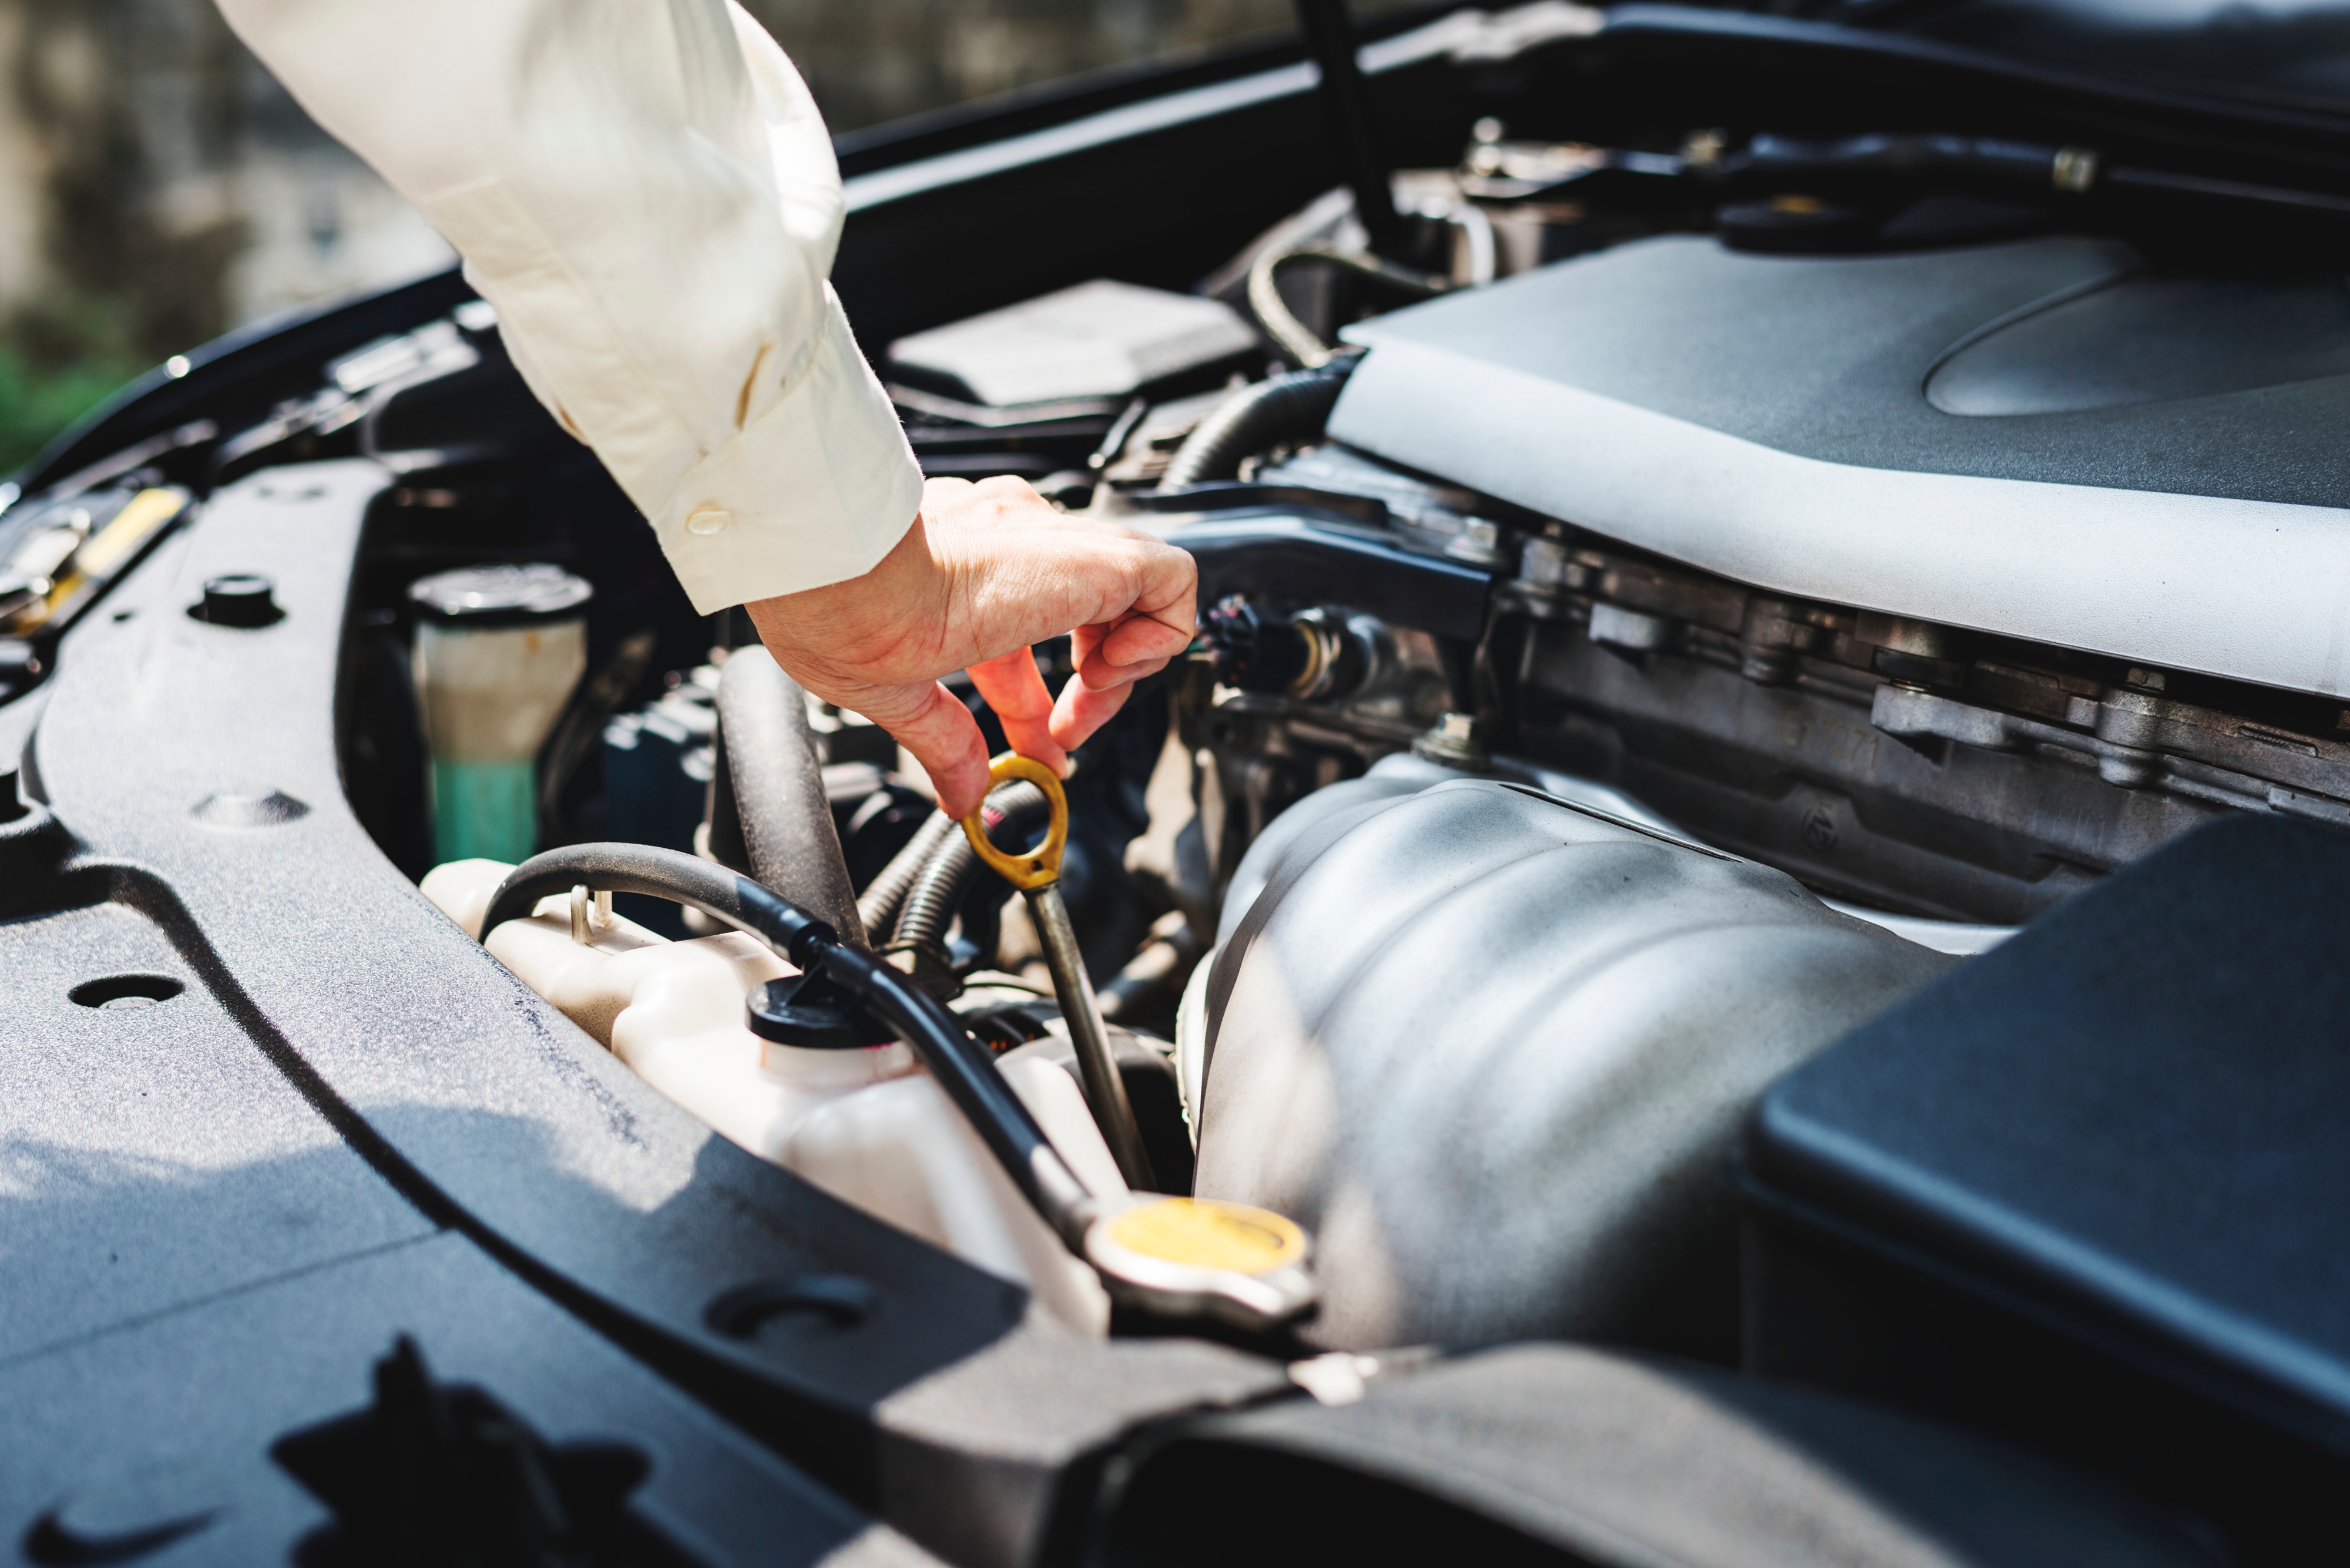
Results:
[147, 511]
[97, 559]
[1204, 1234]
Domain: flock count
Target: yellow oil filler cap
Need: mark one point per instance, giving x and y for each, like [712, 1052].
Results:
[1201, 1257]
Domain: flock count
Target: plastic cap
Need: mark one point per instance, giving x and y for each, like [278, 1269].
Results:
[491, 596]
[811, 1013]
[244, 599]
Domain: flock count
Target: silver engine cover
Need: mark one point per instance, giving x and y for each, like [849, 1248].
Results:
[1492, 1049]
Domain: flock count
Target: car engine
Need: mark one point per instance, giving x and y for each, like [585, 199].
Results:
[1759, 792]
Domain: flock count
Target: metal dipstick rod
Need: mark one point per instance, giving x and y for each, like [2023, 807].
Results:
[1037, 875]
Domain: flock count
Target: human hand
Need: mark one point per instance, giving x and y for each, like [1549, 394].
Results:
[985, 571]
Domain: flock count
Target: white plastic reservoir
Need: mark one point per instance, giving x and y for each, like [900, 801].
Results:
[498, 651]
[867, 1125]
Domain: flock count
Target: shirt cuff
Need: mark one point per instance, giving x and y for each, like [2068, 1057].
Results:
[815, 490]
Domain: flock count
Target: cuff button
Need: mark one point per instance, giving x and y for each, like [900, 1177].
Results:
[709, 520]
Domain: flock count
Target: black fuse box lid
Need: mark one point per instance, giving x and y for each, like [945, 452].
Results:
[2135, 1115]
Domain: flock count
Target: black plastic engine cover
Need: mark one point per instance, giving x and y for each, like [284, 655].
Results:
[2122, 1133]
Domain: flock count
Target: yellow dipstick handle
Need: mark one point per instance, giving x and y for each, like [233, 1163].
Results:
[1041, 866]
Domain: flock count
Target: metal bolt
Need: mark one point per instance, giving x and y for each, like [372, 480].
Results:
[1542, 564]
[1456, 740]
[1480, 542]
[1704, 149]
[2075, 169]
[1614, 625]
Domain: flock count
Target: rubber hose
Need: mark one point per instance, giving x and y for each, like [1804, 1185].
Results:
[667, 874]
[777, 784]
[1292, 337]
[1293, 407]
[945, 881]
[883, 896]
[964, 1067]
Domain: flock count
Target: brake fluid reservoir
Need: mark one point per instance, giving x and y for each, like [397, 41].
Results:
[856, 1115]
[498, 651]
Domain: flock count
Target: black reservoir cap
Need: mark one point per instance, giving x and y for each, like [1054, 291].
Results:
[501, 595]
[245, 599]
[810, 1011]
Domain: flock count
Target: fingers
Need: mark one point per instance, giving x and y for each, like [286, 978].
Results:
[1026, 572]
[1169, 588]
[944, 737]
[1015, 688]
[986, 572]
[1156, 627]
[1089, 701]
[1089, 647]
[1138, 640]
[1082, 709]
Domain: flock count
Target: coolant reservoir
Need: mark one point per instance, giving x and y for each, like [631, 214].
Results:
[498, 650]
[863, 1122]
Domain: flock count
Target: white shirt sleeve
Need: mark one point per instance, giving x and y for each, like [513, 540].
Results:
[647, 193]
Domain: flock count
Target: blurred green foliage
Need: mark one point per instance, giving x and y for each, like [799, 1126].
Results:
[58, 359]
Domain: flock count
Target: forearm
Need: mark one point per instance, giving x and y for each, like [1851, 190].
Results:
[648, 196]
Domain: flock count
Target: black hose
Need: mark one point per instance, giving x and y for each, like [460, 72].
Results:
[777, 784]
[877, 906]
[1288, 408]
[944, 881]
[964, 1067]
[1281, 324]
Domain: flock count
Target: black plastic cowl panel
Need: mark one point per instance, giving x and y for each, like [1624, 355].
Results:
[943, 1405]
[174, 1433]
[1573, 1455]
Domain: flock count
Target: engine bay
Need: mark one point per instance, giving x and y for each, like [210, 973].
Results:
[1745, 843]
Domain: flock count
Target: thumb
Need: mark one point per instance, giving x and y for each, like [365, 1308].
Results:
[944, 737]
